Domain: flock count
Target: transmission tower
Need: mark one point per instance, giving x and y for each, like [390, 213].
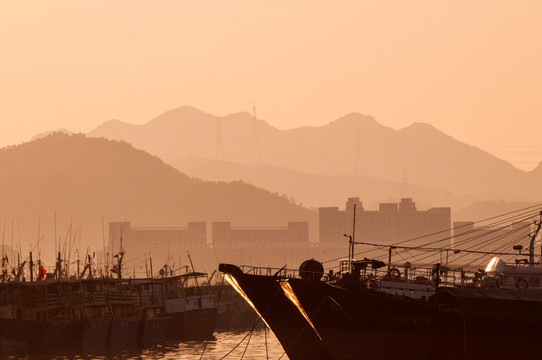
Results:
[254, 144]
[358, 168]
[219, 150]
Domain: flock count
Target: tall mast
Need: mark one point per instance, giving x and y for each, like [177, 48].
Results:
[352, 239]
[193, 270]
[533, 238]
[4, 255]
[119, 256]
[31, 268]
[58, 266]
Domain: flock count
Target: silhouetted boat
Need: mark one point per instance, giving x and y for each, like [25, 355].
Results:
[192, 309]
[366, 313]
[57, 311]
[154, 320]
[94, 313]
[233, 311]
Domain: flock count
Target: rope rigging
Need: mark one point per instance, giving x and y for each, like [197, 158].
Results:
[501, 231]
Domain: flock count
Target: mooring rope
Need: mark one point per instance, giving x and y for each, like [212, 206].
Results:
[305, 327]
[235, 347]
[256, 321]
[216, 316]
[265, 337]
[248, 342]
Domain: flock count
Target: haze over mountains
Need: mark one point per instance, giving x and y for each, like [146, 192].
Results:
[86, 179]
[80, 183]
[321, 166]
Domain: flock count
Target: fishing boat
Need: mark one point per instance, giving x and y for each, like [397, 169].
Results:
[53, 310]
[191, 308]
[154, 320]
[14, 329]
[370, 309]
[57, 310]
[93, 312]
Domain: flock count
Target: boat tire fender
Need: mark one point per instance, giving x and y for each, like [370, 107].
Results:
[522, 284]
[394, 273]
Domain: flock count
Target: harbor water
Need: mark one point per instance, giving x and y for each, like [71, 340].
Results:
[256, 345]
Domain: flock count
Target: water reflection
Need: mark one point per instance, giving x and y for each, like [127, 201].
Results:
[257, 345]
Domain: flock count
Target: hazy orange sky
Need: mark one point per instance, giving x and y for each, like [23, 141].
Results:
[472, 69]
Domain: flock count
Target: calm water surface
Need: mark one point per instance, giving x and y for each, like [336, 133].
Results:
[225, 345]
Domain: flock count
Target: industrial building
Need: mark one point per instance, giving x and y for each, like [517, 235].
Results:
[391, 223]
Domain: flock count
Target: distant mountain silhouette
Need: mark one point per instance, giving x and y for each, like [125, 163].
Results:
[85, 179]
[47, 133]
[315, 190]
[418, 154]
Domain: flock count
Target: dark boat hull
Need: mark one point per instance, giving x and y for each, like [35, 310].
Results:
[153, 331]
[54, 333]
[15, 332]
[370, 325]
[456, 324]
[192, 324]
[291, 329]
[358, 324]
[95, 331]
[124, 331]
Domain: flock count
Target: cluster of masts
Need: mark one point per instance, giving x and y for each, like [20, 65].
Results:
[30, 270]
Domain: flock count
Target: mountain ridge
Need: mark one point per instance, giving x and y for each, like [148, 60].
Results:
[352, 144]
[85, 180]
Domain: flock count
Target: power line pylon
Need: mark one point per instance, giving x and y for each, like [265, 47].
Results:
[219, 151]
[358, 166]
[254, 144]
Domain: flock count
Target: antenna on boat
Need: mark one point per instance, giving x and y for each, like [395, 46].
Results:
[117, 268]
[4, 270]
[105, 256]
[37, 245]
[389, 257]
[12, 251]
[193, 270]
[351, 239]
[146, 267]
[58, 266]
[31, 268]
[533, 238]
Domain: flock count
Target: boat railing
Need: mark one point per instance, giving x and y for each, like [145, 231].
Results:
[32, 300]
[96, 297]
[423, 275]
[52, 299]
[126, 298]
[62, 317]
[151, 299]
[64, 299]
[270, 271]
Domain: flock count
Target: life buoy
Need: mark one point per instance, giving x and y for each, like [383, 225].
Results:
[394, 273]
[311, 270]
[521, 284]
